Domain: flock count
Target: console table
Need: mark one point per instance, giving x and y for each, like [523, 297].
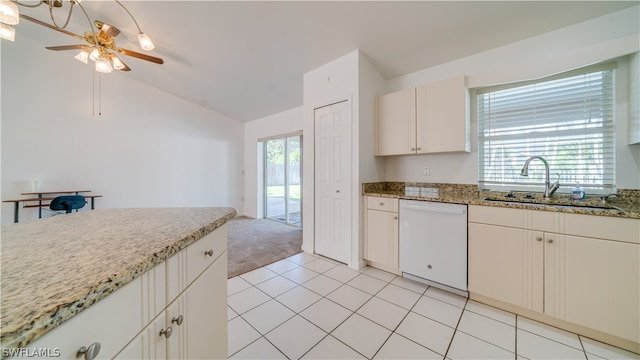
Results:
[42, 199]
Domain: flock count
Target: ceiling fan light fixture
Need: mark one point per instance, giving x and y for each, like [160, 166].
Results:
[7, 32]
[83, 56]
[95, 54]
[117, 63]
[145, 42]
[103, 65]
[9, 13]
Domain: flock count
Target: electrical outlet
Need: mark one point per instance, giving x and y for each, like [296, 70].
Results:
[426, 171]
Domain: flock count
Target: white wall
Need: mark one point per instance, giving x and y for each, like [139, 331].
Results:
[349, 77]
[592, 41]
[148, 149]
[278, 124]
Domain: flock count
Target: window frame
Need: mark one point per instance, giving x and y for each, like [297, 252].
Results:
[536, 179]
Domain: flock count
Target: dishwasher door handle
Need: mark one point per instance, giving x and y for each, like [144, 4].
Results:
[457, 211]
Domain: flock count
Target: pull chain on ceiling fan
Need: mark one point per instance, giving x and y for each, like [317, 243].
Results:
[100, 46]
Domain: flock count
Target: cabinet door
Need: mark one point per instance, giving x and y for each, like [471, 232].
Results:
[443, 116]
[112, 322]
[149, 344]
[594, 283]
[506, 264]
[382, 238]
[205, 319]
[176, 343]
[396, 127]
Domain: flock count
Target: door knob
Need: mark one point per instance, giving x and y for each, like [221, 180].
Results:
[550, 241]
[90, 352]
[337, 191]
[209, 252]
[177, 320]
[539, 238]
[166, 333]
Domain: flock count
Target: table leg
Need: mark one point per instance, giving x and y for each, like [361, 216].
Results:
[16, 209]
[93, 203]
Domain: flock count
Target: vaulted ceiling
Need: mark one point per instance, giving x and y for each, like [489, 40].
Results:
[246, 60]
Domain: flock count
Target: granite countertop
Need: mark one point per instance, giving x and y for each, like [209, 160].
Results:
[626, 206]
[54, 268]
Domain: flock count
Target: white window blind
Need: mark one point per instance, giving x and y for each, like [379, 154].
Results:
[567, 119]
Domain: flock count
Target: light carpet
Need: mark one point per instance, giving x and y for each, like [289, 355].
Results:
[254, 243]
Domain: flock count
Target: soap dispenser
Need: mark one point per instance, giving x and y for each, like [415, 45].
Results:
[577, 193]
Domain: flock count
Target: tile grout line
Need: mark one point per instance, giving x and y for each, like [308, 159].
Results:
[400, 322]
[455, 330]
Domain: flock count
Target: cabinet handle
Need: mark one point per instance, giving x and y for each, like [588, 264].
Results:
[166, 333]
[539, 238]
[381, 204]
[413, 149]
[419, 149]
[90, 352]
[177, 320]
[550, 241]
[210, 252]
[395, 218]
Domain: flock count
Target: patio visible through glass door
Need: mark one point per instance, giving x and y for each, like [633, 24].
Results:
[283, 180]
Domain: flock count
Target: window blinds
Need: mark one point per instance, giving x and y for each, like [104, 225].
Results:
[566, 119]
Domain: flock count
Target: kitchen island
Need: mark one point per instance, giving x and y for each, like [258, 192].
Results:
[53, 269]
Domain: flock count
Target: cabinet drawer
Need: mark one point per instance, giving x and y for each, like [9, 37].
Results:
[382, 203]
[112, 322]
[184, 267]
[497, 216]
[602, 227]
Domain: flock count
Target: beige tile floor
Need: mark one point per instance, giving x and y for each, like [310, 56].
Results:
[309, 307]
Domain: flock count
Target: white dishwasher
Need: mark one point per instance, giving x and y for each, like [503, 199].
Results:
[433, 243]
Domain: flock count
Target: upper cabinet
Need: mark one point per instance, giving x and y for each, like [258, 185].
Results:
[433, 118]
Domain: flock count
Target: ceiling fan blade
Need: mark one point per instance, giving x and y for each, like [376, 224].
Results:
[67, 47]
[140, 56]
[27, 17]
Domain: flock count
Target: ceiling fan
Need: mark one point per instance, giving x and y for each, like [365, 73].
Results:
[100, 46]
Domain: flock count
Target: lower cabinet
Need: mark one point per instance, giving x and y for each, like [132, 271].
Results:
[105, 327]
[191, 326]
[177, 310]
[381, 244]
[535, 261]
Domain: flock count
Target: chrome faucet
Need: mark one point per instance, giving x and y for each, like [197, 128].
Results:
[549, 188]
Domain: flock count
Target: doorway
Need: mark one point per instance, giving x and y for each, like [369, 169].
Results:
[283, 180]
[332, 180]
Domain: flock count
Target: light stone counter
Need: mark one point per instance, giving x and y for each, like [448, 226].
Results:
[53, 268]
[627, 206]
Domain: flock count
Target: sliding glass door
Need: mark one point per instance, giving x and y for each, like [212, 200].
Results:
[283, 180]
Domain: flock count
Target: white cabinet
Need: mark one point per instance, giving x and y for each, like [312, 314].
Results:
[396, 123]
[176, 310]
[381, 222]
[443, 116]
[433, 118]
[581, 269]
[111, 322]
[197, 297]
[148, 344]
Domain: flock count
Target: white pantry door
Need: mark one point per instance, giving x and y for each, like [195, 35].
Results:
[333, 181]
